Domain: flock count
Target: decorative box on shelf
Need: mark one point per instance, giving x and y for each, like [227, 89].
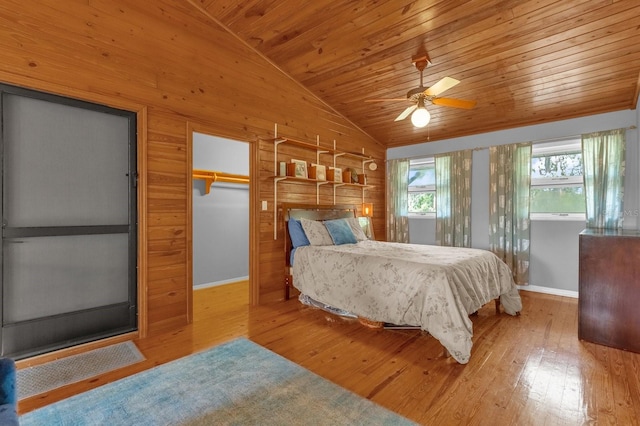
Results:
[334, 174]
[321, 173]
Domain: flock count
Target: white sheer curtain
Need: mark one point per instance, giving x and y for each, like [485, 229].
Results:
[509, 188]
[398, 201]
[453, 198]
[603, 158]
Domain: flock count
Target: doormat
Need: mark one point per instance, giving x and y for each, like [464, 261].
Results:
[51, 375]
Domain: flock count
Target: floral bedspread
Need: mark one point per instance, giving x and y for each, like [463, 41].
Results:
[433, 287]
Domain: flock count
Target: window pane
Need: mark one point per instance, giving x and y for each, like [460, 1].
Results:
[556, 165]
[422, 175]
[557, 200]
[556, 179]
[46, 276]
[422, 202]
[422, 185]
[64, 165]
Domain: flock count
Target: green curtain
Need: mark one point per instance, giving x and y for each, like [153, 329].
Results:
[398, 202]
[453, 199]
[603, 158]
[509, 182]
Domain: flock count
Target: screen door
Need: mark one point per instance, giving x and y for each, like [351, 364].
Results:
[68, 222]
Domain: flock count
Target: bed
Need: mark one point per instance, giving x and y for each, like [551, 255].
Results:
[433, 287]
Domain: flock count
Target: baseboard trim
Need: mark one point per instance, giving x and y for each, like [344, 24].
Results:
[549, 290]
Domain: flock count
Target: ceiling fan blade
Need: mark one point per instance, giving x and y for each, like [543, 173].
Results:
[445, 83]
[385, 99]
[456, 103]
[406, 113]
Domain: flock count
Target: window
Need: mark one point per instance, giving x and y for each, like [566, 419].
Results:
[422, 187]
[557, 187]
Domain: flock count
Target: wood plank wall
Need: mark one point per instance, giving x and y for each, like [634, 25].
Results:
[178, 69]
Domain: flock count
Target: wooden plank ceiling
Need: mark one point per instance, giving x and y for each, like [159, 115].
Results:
[524, 62]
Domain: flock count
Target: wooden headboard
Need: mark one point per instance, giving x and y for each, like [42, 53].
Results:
[311, 212]
[318, 211]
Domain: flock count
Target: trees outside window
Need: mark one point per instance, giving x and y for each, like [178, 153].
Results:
[557, 186]
[422, 187]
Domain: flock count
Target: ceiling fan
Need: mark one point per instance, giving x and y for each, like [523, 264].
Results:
[420, 95]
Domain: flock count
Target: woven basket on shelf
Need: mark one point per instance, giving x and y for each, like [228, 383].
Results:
[369, 323]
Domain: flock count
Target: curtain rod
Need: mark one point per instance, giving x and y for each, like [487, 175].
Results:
[632, 127]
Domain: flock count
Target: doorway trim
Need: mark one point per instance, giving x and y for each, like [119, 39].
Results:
[254, 290]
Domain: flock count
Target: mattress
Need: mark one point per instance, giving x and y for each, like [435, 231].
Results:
[433, 287]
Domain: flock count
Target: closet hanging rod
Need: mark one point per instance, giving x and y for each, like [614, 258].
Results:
[210, 177]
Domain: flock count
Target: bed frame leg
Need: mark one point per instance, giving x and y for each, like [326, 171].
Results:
[288, 281]
[498, 305]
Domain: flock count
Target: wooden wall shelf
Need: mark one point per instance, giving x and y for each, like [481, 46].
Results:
[319, 150]
[329, 182]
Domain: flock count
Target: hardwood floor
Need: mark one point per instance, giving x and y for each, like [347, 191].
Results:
[526, 370]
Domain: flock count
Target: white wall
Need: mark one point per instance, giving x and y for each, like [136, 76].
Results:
[220, 218]
[554, 244]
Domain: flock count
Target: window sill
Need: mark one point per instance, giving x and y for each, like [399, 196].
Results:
[558, 217]
[422, 216]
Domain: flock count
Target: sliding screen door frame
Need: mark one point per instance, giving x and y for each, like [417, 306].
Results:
[23, 337]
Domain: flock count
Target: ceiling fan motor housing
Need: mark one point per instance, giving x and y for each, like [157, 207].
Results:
[414, 94]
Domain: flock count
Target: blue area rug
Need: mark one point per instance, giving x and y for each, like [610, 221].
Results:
[237, 383]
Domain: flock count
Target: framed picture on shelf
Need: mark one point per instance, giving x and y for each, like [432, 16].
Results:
[337, 174]
[321, 172]
[300, 169]
[354, 175]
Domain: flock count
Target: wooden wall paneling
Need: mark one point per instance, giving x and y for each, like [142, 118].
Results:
[168, 295]
[181, 15]
[336, 16]
[170, 299]
[568, 70]
[528, 46]
[72, 48]
[143, 208]
[255, 218]
[169, 232]
[564, 32]
[489, 31]
[115, 53]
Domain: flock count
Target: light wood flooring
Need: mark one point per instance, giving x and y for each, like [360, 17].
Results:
[525, 370]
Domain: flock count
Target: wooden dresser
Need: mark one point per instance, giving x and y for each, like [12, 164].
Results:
[609, 288]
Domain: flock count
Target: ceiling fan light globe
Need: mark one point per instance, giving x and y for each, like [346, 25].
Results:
[420, 117]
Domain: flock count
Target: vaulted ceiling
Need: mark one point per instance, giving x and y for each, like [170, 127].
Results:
[524, 62]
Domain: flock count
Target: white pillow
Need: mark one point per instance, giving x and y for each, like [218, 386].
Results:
[356, 229]
[316, 233]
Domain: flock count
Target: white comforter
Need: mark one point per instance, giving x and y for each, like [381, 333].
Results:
[433, 287]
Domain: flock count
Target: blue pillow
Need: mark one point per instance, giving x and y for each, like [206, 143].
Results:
[296, 233]
[340, 231]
